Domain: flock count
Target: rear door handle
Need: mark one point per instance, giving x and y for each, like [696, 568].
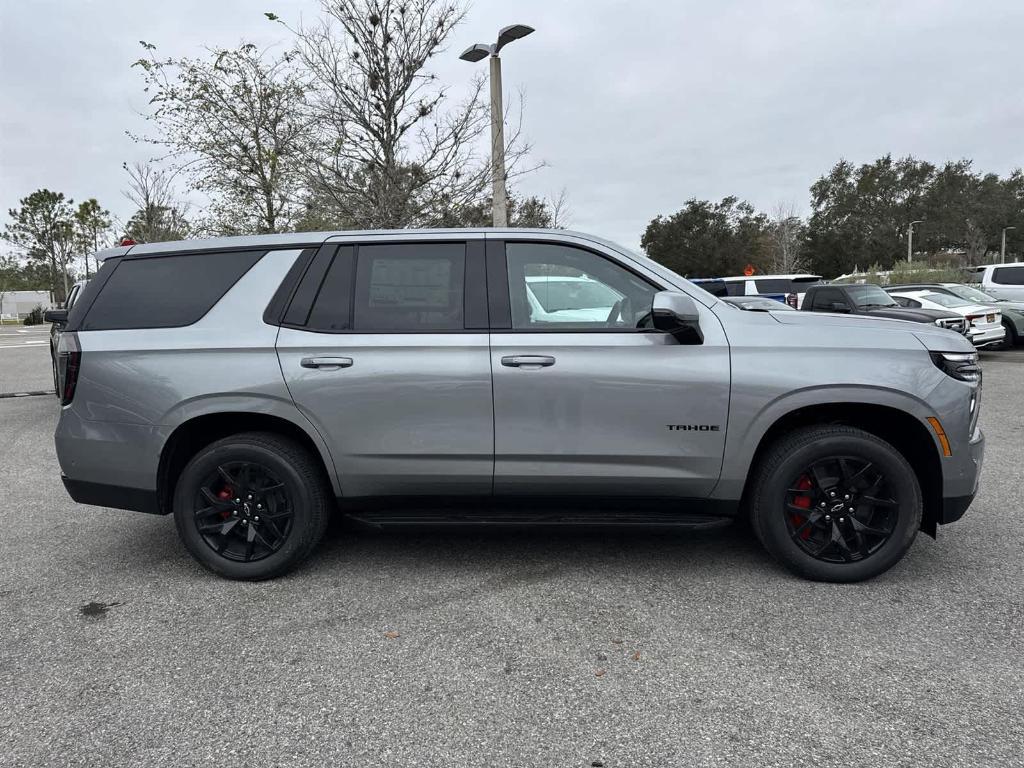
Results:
[326, 362]
[527, 361]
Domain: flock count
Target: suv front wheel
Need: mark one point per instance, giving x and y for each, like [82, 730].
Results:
[835, 503]
[251, 506]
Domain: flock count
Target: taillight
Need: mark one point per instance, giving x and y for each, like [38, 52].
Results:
[792, 300]
[69, 363]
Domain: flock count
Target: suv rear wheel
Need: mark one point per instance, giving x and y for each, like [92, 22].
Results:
[835, 503]
[251, 506]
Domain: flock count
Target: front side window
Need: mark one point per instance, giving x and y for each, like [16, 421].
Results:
[1008, 275]
[558, 287]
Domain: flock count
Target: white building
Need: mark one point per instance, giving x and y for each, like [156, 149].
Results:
[17, 304]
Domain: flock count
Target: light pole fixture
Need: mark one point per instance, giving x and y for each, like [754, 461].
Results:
[910, 240]
[1002, 248]
[477, 52]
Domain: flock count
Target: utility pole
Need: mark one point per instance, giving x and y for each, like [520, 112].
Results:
[476, 52]
[910, 240]
[1002, 248]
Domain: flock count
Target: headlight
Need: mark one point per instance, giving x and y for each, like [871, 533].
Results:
[960, 365]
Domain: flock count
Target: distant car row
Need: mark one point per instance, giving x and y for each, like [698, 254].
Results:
[986, 320]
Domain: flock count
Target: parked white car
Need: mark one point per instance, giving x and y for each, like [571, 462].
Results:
[561, 299]
[984, 324]
[1002, 281]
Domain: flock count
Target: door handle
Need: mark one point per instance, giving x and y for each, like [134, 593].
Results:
[326, 362]
[527, 361]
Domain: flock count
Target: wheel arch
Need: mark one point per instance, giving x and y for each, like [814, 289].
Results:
[197, 432]
[907, 433]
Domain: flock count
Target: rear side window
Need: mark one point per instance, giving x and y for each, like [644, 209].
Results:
[774, 285]
[1008, 275]
[409, 286]
[735, 287]
[166, 291]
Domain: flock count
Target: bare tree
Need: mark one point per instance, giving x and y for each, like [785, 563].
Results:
[158, 216]
[785, 240]
[391, 149]
[234, 124]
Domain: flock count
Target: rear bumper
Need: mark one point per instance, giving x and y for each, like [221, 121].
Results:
[113, 496]
[982, 338]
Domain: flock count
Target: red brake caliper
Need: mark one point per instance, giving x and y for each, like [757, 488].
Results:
[225, 493]
[803, 484]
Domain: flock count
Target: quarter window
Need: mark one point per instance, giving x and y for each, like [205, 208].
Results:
[558, 287]
[1008, 275]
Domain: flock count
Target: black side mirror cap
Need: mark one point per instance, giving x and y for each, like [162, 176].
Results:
[677, 313]
[59, 316]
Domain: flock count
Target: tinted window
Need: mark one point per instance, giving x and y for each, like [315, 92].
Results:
[1008, 275]
[560, 287]
[869, 296]
[410, 287]
[735, 287]
[824, 299]
[773, 285]
[333, 308]
[903, 301]
[166, 291]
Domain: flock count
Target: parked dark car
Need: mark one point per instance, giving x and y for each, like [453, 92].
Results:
[871, 300]
[58, 319]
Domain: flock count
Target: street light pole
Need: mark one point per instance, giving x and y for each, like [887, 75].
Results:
[499, 205]
[1002, 248]
[476, 52]
[910, 240]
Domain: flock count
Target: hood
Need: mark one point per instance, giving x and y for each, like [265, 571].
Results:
[907, 313]
[931, 336]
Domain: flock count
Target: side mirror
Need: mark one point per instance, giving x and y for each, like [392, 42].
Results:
[59, 316]
[839, 306]
[677, 313]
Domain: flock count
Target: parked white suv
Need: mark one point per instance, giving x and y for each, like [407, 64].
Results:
[1003, 281]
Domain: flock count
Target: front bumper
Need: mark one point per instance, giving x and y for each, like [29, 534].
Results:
[954, 507]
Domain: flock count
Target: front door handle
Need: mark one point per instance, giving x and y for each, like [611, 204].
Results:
[326, 362]
[527, 361]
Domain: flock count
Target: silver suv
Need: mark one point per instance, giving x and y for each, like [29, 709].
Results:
[252, 386]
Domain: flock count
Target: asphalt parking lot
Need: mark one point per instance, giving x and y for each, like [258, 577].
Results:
[622, 648]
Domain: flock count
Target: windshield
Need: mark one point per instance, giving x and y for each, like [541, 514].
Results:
[557, 295]
[970, 294]
[870, 296]
[945, 300]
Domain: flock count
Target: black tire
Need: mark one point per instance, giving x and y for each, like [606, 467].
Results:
[300, 500]
[1010, 340]
[864, 467]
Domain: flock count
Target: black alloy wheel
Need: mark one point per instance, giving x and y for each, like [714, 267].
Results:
[836, 503]
[253, 505]
[243, 511]
[841, 509]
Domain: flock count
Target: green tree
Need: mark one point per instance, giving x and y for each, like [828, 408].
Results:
[860, 214]
[158, 217]
[707, 239]
[92, 230]
[234, 123]
[43, 228]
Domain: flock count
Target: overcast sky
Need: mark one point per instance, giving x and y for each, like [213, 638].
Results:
[634, 106]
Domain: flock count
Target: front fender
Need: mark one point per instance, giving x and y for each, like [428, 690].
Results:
[747, 429]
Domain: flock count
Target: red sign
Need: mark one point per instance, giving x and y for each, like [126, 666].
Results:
[748, 270]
